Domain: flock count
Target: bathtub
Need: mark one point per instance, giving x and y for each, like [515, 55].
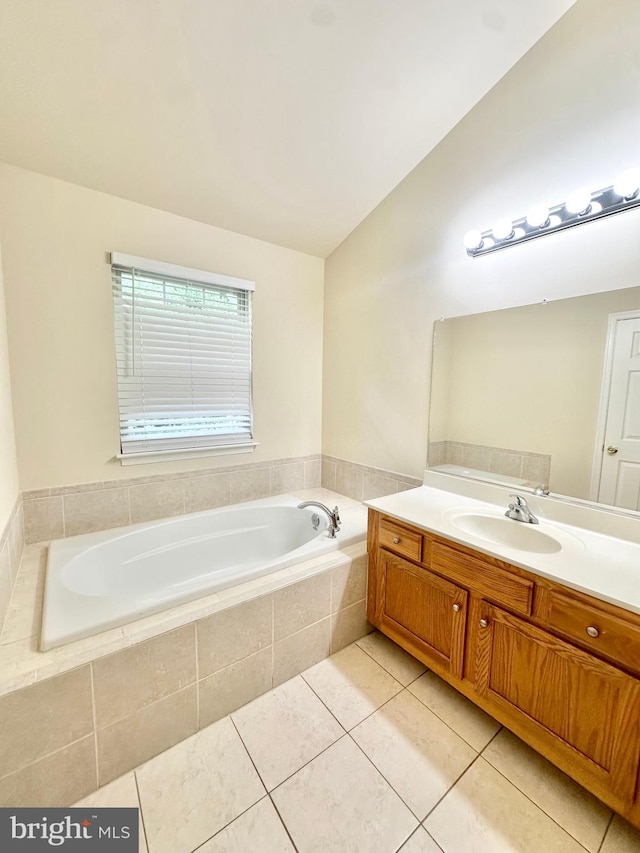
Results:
[107, 579]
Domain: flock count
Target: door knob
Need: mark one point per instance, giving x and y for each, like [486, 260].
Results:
[612, 449]
[484, 623]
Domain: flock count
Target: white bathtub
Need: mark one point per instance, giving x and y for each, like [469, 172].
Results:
[103, 580]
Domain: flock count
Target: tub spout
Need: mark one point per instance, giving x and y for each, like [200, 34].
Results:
[332, 515]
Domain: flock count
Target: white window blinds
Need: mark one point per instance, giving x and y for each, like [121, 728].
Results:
[183, 351]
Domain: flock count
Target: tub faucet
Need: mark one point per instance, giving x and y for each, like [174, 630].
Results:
[519, 510]
[333, 516]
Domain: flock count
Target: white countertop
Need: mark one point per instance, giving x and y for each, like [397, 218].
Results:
[603, 566]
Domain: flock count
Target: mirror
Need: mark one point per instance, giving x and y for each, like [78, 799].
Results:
[516, 397]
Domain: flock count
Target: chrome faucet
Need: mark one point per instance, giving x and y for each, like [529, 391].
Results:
[519, 510]
[333, 516]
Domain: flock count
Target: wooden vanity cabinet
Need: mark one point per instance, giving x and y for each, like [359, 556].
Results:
[518, 646]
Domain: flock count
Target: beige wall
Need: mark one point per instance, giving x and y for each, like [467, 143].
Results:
[529, 379]
[60, 326]
[8, 462]
[565, 115]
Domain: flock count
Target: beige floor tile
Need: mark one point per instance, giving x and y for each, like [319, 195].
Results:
[420, 842]
[621, 838]
[576, 810]
[339, 802]
[402, 666]
[122, 793]
[284, 729]
[415, 751]
[484, 812]
[351, 685]
[258, 829]
[196, 788]
[465, 718]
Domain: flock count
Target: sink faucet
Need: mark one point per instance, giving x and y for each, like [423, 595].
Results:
[332, 515]
[520, 511]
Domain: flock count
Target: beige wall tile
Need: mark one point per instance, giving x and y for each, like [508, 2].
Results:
[100, 510]
[476, 457]
[349, 625]
[507, 464]
[349, 481]
[250, 484]
[156, 500]
[55, 781]
[16, 542]
[43, 718]
[287, 478]
[24, 616]
[536, 467]
[328, 475]
[300, 651]
[231, 688]
[313, 474]
[206, 492]
[137, 738]
[233, 634]
[301, 604]
[43, 520]
[377, 486]
[348, 583]
[129, 680]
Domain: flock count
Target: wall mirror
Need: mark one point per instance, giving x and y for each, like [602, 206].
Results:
[545, 394]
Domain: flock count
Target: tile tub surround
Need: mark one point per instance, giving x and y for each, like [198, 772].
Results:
[534, 467]
[93, 710]
[11, 548]
[61, 511]
[362, 483]
[289, 771]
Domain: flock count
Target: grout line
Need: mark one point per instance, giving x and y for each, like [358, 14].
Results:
[537, 805]
[451, 787]
[48, 755]
[246, 749]
[95, 725]
[432, 838]
[286, 828]
[141, 820]
[386, 669]
[195, 634]
[606, 832]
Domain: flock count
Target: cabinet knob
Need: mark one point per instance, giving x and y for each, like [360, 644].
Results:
[456, 607]
[396, 540]
[484, 623]
[592, 631]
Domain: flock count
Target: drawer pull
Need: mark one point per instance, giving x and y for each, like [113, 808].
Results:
[484, 623]
[592, 631]
[456, 607]
[396, 540]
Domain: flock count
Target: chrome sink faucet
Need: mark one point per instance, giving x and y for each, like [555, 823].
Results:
[519, 510]
[333, 516]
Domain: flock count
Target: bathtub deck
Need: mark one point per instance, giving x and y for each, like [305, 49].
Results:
[22, 664]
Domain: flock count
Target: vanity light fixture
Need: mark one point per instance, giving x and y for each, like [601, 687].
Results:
[581, 206]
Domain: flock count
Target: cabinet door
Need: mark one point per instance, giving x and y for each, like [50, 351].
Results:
[423, 612]
[581, 712]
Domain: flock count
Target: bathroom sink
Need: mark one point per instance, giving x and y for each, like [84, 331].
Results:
[507, 532]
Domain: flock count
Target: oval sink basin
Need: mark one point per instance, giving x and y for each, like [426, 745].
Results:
[507, 532]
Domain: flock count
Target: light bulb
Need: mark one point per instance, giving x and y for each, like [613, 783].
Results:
[472, 240]
[579, 201]
[627, 184]
[503, 229]
[538, 216]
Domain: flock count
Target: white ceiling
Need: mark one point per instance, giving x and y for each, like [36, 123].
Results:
[287, 120]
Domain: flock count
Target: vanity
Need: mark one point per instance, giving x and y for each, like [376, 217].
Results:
[538, 625]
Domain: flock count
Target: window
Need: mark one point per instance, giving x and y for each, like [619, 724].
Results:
[183, 353]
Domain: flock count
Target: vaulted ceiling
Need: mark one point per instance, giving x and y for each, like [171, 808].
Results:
[287, 120]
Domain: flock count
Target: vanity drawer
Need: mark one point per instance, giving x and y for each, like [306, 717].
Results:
[401, 541]
[483, 577]
[614, 638]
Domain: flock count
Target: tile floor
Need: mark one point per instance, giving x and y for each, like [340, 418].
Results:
[365, 752]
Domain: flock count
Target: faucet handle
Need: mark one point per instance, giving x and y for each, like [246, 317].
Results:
[518, 500]
[336, 515]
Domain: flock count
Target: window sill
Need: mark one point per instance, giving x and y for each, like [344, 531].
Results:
[147, 457]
